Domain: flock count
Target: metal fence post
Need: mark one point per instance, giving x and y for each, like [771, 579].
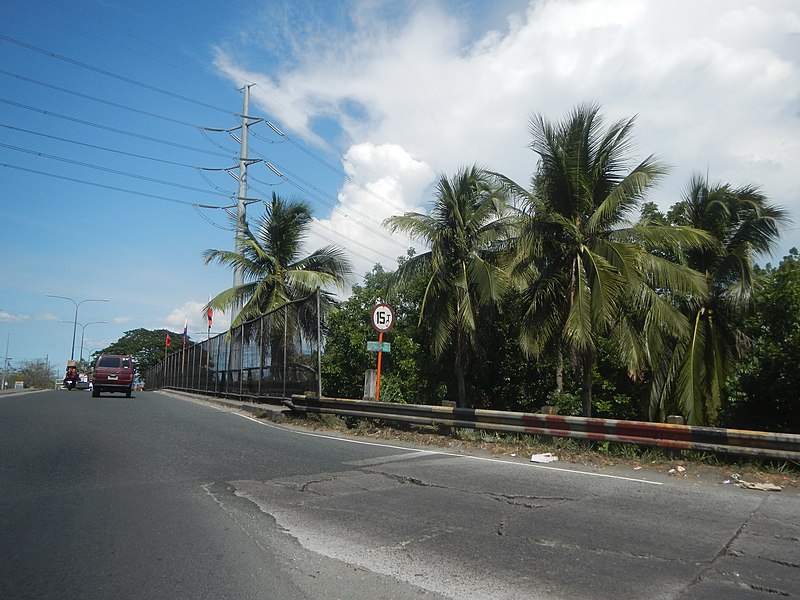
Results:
[319, 345]
[285, 344]
[260, 352]
[241, 363]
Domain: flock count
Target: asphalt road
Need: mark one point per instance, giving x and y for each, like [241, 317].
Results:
[161, 497]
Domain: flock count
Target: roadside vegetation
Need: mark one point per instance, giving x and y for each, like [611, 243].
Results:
[575, 292]
[570, 291]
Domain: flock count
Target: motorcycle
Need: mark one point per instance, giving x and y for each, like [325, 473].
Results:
[71, 378]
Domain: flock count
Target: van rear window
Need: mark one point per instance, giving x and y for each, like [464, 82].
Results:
[109, 361]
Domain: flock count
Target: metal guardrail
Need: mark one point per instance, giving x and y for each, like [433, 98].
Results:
[783, 446]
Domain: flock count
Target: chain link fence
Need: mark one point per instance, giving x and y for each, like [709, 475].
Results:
[271, 357]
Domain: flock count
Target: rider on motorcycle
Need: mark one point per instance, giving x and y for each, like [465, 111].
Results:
[71, 377]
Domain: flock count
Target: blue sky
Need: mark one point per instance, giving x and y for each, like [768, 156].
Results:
[102, 105]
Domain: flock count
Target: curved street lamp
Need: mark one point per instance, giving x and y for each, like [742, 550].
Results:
[75, 321]
[83, 332]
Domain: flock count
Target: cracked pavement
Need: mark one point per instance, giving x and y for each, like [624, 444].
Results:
[465, 529]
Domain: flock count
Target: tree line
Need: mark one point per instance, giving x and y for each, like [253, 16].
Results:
[571, 290]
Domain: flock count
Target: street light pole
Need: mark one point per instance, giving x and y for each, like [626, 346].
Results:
[75, 321]
[5, 363]
[83, 332]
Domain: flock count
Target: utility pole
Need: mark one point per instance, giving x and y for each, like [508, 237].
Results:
[241, 206]
[5, 363]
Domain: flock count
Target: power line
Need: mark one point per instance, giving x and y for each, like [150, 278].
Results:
[333, 168]
[100, 100]
[274, 128]
[310, 189]
[305, 186]
[350, 250]
[93, 31]
[114, 171]
[108, 187]
[114, 75]
[209, 221]
[194, 101]
[341, 211]
[111, 129]
[106, 148]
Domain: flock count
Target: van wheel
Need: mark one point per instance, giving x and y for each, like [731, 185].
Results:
[95, 393]
[128, 393]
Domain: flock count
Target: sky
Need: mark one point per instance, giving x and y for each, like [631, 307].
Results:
[119, 146]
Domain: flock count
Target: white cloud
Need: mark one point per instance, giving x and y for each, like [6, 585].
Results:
[194, 311]
[715, 85]
[382, 179]
[6, 317]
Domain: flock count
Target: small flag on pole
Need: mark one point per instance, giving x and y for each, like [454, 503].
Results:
[210, 316]
[168, 341]
[185, 327]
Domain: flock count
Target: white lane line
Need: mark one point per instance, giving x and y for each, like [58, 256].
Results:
[442, 453]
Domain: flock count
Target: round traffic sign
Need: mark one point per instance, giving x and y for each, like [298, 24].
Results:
[382, 317]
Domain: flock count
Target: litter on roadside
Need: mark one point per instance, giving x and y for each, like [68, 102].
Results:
[737, 480]
[545, 457]
[764, 487]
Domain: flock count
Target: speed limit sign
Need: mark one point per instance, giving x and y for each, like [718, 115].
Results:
[382, 317]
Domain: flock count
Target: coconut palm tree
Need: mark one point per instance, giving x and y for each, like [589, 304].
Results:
[273, 268]
[468, 221]
[579, 258]
[743, 225]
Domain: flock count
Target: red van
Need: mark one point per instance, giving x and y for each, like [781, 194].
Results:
[113, 373]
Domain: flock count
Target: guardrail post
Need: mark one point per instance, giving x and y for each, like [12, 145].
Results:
[370, 381]
[674, 420]
[446, 429]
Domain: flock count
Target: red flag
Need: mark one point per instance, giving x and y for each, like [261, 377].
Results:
[210, 315]
[169, 341]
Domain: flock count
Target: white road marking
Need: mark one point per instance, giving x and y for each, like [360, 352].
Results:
[442, 453]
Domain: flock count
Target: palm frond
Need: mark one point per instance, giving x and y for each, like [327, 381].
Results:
[270, 261]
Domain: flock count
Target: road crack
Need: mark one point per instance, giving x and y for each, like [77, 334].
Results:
[304, 487]
[528, 501]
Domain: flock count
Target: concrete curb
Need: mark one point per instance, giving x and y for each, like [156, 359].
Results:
[19, 392]
[276, 414]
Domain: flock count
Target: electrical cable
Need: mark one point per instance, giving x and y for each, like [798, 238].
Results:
[110, 187]
[192, 100]
[111, 129]
[100, 100]
[107, 149]
[308, 189]
[209, 221]
[114, 171]
[114, 75]
[333, 168]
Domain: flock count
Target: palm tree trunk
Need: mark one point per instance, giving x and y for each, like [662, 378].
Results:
[586, 391]
[559, 369]
[459, 367]
[460, 380]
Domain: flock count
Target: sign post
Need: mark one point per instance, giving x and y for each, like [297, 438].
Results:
[382, 321]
